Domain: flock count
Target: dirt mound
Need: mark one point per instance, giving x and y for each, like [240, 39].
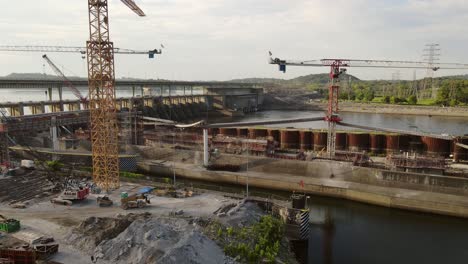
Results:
[160, 240]
[244, 213]
[91, 232]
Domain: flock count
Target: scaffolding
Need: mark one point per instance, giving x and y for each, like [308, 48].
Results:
[415, 162]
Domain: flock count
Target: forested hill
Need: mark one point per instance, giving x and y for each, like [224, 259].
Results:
[318, 79]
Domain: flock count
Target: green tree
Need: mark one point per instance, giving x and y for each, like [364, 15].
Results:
[386, 99]
[453, 102]
[443, 94]
[54, 165]
[412, 100]
[369, 94]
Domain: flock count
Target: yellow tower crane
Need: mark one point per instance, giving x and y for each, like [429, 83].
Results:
[101, 79]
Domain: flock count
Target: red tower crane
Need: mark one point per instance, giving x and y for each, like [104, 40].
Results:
[338, 67]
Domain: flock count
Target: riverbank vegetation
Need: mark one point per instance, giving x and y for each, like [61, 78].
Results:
[448, 90]
[261, 242]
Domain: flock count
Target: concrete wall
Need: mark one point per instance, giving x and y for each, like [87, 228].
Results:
[321, 169]
[433, 202]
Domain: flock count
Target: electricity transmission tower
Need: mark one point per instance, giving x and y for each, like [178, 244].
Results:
[431, 54]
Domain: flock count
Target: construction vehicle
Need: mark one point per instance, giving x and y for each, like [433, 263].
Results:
[133, 201]
[104, 201]
[70, 195]
[9, 225]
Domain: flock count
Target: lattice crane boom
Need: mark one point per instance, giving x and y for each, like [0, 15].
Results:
[70, 49]
[131, 4]
[360, 63]
[65, 79]
[338, 67]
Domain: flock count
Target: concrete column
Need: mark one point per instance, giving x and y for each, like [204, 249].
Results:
[17, 110]
[50, 93]
[37, 109]
[54, 137]
[206, 156]
[74, 106]
[59, 89]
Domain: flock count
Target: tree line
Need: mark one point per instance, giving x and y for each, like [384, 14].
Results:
[449, 92]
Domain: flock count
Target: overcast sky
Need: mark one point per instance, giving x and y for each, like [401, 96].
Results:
[227, 39]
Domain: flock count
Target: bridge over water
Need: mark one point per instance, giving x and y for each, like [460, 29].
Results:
[147, 93]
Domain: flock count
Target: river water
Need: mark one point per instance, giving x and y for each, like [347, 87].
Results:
[434, 124]
[366, 234]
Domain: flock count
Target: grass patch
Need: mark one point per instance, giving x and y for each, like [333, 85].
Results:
[428, 101]
[378, 100]
[131, 175]
[123, 174]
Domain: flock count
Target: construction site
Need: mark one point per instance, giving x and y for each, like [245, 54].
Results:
[174, 174]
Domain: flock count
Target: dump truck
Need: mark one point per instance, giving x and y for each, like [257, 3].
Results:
[133, 201]
[9, 225]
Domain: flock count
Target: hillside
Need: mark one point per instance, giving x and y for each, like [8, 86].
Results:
[36, 76]
[311, 79]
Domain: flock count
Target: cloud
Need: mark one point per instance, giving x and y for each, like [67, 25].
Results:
[224, 39]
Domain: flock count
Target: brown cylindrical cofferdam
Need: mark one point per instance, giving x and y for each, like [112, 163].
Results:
[436, 146]
[289, 139]
[341, 141]
[320, 140]
[377, 143]
[275, 134]
[358, 142]
[393, 143]
[242, 132]
[258, 132]
[228, 132]
[305, 140]
[213, 131]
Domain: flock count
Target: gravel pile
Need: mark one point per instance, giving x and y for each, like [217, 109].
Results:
[160, 240]
[244, 213]
[91, 232]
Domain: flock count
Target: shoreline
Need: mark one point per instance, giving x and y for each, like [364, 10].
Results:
[401, 109]
[378, 109]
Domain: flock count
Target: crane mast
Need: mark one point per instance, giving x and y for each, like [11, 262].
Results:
[338, 67]
[102, 105]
